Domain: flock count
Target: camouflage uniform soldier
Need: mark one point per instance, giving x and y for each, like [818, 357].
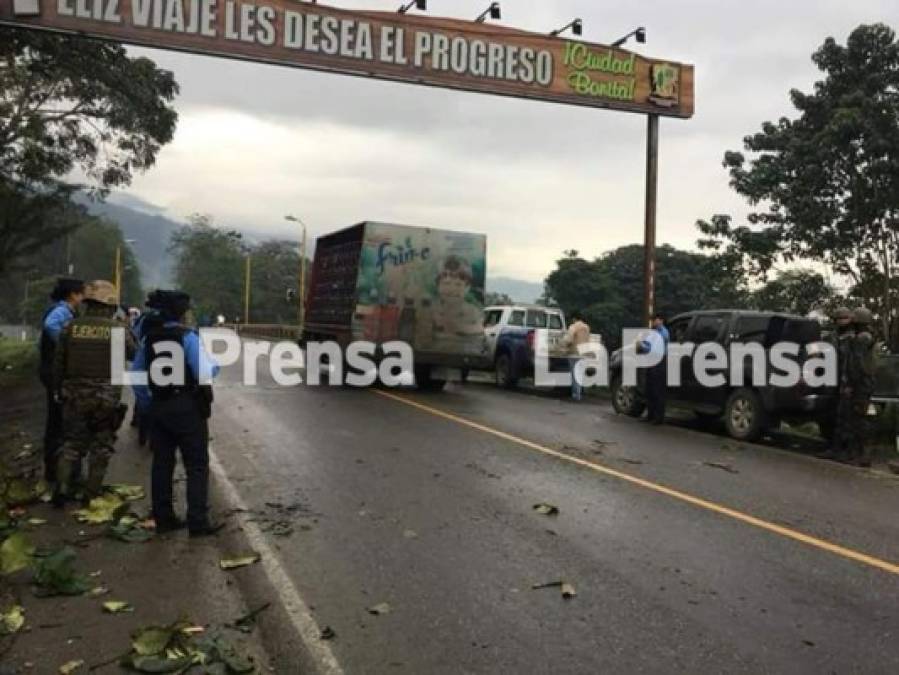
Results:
[861, 383]
[841, 339]
[92, 408]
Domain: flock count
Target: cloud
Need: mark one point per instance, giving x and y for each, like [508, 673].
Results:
[256, 142]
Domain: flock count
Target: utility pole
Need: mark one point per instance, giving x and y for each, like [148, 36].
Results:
[118, 274]
[246, 291]
[301, 307]
[649, 238]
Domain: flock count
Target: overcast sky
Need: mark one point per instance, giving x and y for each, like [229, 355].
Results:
[256, 142]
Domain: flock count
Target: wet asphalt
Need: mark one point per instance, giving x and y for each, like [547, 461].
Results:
[394, 504]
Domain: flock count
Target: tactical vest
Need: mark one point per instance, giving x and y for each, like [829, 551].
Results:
[89, 348]
[155, 336]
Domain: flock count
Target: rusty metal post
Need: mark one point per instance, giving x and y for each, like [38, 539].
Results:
[649, 237]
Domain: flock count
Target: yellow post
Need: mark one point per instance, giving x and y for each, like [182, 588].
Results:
[302, 298]
[246, 293]
[118, 274]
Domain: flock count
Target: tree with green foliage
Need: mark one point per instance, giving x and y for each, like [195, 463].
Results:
[797, 291]
[209, 265]
[67, 104]
[609, 289]
[825, 185]
[87, 252]
[274, 282]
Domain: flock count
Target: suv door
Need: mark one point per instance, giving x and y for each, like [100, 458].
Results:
[706, 328]
[679, 332]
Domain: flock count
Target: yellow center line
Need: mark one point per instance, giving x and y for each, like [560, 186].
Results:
[808, 539]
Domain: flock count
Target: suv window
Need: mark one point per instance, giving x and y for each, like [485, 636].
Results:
[753, 329]
[517, 318]
[492, 317]
[555, 321]
[536, 318]
[678, 330]
[801, 331]
[707, 328]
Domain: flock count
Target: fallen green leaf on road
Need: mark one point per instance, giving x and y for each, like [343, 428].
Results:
[18, 492]
[97, 591]
[241, 561]
[55, 575]
[129, 530]
[117, 607]
[12, 620]
[70, 667]
[16, 554]
[546, 509]
[379, 609]
[175, 648]
[130, 493]
[104, 509]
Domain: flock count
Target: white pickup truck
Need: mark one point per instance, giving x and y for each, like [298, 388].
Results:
[511, 331]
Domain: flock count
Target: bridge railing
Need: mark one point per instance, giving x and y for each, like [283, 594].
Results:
[267, 331]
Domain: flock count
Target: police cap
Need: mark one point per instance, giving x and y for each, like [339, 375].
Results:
[64, 287]
[173, 303]
[152, 301]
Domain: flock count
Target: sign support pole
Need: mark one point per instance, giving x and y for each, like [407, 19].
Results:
[246, 291]
[649, 239]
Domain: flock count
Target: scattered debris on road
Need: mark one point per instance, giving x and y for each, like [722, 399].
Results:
[379, 609]
[567, 590]
[247, 622]
[328, 633]
[178, 646]
[70, 667]
[117, 607]
[239, 561]
[722, 466]
[545, 509]
[55, 575]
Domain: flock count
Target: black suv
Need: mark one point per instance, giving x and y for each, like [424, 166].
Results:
[748, 411]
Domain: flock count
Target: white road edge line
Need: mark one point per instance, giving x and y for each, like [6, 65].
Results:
[298, 611]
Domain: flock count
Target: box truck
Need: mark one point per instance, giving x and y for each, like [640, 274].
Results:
[381, 282]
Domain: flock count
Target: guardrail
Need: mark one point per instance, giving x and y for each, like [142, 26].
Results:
[266, 331]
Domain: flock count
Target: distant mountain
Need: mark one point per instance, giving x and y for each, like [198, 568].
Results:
[151, 232]
[517, 289]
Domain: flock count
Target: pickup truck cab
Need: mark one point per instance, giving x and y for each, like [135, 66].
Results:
[511, 335]
[748, 411]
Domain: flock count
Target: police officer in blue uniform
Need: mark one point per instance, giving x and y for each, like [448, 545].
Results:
[66, 297]
[179, 415]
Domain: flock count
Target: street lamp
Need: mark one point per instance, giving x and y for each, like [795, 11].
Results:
[301, 309]
[638, 33]
[493, 10]
[418, 4]
[576, 26]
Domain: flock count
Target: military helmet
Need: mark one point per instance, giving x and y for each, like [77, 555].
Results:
[863, 316]
[101, 291]
[842, 313]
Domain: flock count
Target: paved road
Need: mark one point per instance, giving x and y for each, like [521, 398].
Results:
[689, 553]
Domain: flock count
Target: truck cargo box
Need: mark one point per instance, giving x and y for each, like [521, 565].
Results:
[381, 282]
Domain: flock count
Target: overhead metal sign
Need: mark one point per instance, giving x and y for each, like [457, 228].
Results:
[438, 52]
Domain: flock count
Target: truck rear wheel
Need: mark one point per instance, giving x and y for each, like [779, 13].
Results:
[425, 382]
[505, 374]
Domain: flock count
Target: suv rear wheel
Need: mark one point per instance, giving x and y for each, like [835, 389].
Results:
[626, 400]
[745, 415]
